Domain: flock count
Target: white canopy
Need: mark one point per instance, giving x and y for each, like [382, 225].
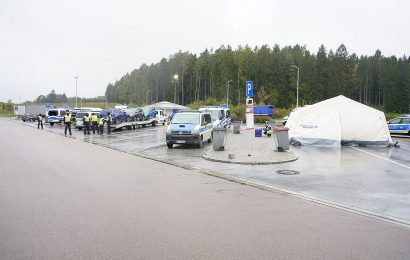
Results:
[338, 120]
[168, 107]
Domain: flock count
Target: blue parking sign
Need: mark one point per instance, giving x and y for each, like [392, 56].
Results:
[249, 88]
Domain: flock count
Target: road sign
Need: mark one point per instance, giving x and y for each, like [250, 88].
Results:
[249, 88]
[48, 106]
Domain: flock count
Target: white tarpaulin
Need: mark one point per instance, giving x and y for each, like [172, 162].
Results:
[336, 121]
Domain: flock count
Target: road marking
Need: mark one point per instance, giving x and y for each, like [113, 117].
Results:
[378, 156]
[152, 146]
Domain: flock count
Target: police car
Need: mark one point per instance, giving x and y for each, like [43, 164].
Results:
[220, 115]
[189, 127]
[400, 125]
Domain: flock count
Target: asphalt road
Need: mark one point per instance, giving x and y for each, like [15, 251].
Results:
[65, 199]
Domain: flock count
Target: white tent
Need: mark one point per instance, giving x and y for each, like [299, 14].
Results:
[336, 121]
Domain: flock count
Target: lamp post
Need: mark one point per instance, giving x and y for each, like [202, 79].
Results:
[297, 86]
[227, 93]
[76, 104]
[175, 80]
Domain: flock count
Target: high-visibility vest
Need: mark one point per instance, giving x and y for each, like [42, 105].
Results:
[101, 121]
[86, 119]
[40, 118]
[67, 118]
[94, 118]
[110, 118]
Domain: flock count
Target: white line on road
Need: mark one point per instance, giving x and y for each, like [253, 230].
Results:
[381, 157]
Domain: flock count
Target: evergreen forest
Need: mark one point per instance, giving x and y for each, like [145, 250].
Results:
[378, 81]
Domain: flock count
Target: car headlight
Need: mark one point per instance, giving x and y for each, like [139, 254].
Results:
[195, 132]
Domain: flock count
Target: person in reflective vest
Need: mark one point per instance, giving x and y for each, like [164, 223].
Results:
[94, 122]
[109, 121]
[86, 120]
[67, 122]
[101, 125]
[40, 121]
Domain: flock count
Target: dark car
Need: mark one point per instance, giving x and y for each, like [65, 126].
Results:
[116, 114]
[135, 114]
[30, 118]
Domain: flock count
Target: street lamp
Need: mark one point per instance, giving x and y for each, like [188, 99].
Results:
[227, 94]
[76, 77]
[297, 86]
[175, 81]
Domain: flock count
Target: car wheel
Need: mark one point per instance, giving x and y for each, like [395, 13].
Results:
[169, 145]
[154, 123]
[210, 139]
[51, 124]
[201, 144]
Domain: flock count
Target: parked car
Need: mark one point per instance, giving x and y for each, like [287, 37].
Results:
[405, 115]
[55, 115]
[30, 118]
[189, 127]
[400, 125]
[220, 115]
[135, 114]
[116, 114]
[149, 112]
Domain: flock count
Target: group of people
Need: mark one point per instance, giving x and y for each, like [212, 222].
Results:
[96, 122]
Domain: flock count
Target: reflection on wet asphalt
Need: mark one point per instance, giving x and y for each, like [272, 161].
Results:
[370, 178]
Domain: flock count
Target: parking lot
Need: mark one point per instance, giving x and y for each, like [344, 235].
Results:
[367, 180]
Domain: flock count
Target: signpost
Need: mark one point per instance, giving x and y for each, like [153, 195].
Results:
[249, 111]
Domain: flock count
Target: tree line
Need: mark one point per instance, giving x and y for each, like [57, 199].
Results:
[378, 81]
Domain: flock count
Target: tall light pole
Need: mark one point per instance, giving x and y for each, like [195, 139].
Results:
[297, 86]
[227, 93]
[175, 80]
[76, 104]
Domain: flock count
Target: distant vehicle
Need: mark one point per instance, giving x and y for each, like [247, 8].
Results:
[116, 114]
[400, 125]
[55, 115]
[405, 115]
[121, 107]
[134, 114]
[263, 110]
[220, 115]
[79, 120]
[149, 112]
[189, 127]
[160, 117]
[30, 118]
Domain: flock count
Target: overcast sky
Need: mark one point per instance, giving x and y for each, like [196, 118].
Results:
[45, 43]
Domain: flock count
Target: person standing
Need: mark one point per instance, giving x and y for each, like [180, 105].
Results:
[40, 121]
[109, 121]
[67, 122]
[86, 120]
[101, 125]
[94, 122]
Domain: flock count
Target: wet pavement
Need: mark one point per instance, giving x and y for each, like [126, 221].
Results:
[367, 180]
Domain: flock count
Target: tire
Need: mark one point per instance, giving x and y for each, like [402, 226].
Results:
[210, 139]
[154, 123]
[201, 144]
[170, 145]
[51, 124]
[163, 123]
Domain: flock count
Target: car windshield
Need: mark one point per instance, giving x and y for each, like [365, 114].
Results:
[81, 114]
[181, 118]
[214, 114]
[53, 112]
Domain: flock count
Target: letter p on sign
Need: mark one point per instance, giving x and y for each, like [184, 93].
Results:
[249, 88]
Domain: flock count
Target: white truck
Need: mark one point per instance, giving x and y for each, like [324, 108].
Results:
[160, 117]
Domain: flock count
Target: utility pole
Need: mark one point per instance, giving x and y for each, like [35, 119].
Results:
[227, 93]
[76, 104]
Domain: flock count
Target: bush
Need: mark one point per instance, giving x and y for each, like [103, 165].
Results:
[282, 112]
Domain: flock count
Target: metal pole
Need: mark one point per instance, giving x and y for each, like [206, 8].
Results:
[76, 104]
[175, 92]
[227, 94]
[297, 86]
[297, 90]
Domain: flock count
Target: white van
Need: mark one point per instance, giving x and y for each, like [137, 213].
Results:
[220, 115]
[55, 115]
[79, 120]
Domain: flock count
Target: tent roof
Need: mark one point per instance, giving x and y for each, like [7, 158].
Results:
[168, 105]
